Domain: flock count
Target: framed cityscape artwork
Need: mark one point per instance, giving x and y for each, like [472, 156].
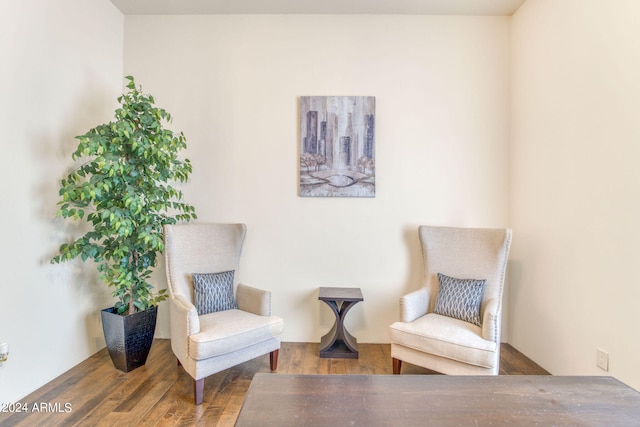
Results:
[337, 146]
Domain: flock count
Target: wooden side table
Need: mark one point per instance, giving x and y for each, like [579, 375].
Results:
[338, 342]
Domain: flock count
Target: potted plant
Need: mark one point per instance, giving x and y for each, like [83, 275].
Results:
[122, 187]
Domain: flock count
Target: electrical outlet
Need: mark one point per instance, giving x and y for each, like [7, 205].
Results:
[602, 360]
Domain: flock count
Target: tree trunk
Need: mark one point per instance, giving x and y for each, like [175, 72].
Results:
[132, 307]
[134, 262]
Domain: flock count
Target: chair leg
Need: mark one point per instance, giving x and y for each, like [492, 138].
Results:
[397, 365]
[198, 390]
[273, 359]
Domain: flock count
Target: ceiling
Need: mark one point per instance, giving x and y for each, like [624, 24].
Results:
[347, 7]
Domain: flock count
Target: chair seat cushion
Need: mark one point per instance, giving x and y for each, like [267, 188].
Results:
[446, 337]
[227, 331]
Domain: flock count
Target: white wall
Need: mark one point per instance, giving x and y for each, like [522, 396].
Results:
[60, 74]
[232, 84]
[575, 202]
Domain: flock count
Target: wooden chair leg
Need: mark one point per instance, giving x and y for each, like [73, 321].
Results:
[397, 365]
[273, 359]
[198, 390]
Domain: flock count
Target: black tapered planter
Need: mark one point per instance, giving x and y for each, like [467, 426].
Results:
[129, 338]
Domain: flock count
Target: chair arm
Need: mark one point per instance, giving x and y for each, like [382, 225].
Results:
[184, 323]
[491, 320]
[253, 300]
[414, 305]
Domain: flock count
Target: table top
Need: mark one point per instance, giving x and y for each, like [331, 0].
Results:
[439, 400]
[342, 294]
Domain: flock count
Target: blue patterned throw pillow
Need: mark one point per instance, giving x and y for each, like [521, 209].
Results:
[460, 298]
[213, 292]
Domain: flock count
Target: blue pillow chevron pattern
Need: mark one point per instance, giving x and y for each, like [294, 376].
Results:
[213, 292]
[460, 298]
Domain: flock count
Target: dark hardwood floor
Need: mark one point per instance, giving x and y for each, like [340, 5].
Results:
[161, 393]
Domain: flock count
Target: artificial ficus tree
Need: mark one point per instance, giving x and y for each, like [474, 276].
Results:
[123, 188]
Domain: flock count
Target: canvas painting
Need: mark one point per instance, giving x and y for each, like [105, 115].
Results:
[337, 146]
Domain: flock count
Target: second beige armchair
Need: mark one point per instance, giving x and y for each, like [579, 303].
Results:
[452, 324]
[216, 322]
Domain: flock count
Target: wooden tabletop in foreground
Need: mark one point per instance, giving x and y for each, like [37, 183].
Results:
[438, 400]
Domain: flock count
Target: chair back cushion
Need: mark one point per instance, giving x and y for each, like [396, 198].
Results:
[214, 292]
[460, 298]
[465, 253]
[201, 248]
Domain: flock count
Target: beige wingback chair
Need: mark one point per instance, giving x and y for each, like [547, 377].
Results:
[446, 344]
[209, 343]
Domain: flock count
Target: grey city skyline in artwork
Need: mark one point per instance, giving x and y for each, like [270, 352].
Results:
[337, 146]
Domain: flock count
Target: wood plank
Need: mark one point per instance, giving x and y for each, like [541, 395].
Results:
[296, 360]
[311, 357]
[512, 362]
